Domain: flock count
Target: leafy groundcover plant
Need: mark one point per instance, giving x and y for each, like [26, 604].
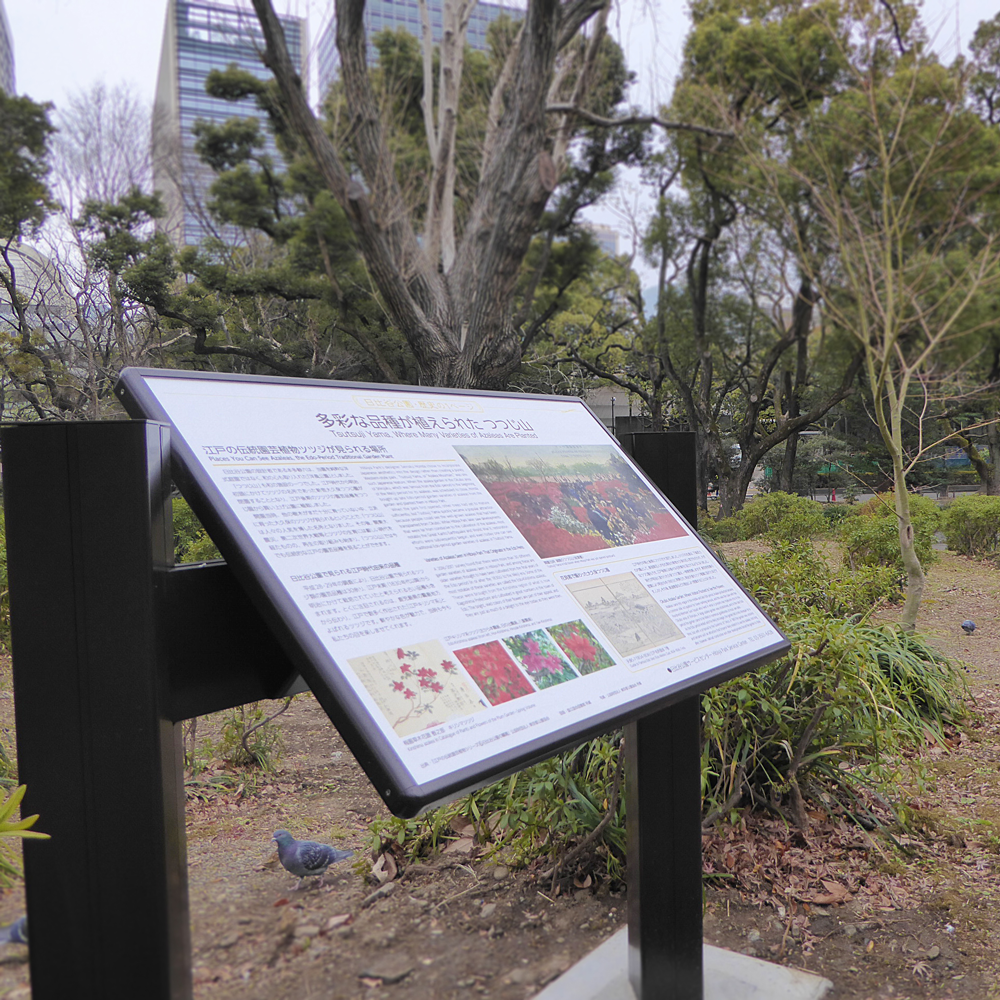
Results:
[11, 828]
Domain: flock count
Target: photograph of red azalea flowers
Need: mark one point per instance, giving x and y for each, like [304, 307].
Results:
[498, 676]
[581, 647]
[571, 498]
[540, 658]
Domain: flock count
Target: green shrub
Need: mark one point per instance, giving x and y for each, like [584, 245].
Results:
[793, 579]
[972, 525]
[846, 693]
[777, 516]
[836, 513]
[726, 529]
[871, 536]
[191, 541]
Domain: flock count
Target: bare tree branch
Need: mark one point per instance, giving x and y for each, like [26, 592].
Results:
[589, 116]
[895, 27]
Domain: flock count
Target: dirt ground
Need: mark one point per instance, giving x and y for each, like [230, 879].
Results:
[908, 917]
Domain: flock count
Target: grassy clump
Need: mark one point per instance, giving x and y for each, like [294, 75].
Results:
[243, 755]
[846, 694]
[535, 815]
[250, 737]
[971, 526]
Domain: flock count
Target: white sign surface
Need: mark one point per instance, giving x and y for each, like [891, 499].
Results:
[483, 570]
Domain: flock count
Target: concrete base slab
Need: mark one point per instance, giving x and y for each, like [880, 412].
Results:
[603, 975]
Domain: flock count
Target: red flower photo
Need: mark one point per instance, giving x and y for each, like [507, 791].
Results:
[497, 675]
[535, 652]
[581, 647]
[572, 498]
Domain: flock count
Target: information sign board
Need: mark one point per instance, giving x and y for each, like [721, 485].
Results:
[468, 581]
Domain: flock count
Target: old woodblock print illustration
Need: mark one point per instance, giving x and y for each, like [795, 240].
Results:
[539, 656]
[580, 646]
[570, 498]
[498, 676]
[625, 612]
[417, 687]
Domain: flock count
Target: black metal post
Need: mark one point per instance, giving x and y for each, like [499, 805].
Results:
[663, 767]
[87, 525]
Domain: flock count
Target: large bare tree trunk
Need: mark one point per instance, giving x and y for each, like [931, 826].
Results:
[452, 299]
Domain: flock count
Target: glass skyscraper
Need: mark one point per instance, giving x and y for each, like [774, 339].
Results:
[391, 14]
[197, 38]
[6, 53]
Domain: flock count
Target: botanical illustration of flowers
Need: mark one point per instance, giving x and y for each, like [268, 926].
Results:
[417, 687]
[497, 675]
[537, 654]
[581, 647]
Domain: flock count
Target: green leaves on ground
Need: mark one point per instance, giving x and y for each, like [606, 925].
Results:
[9, 828]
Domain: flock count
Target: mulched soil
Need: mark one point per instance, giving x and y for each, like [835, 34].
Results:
[902, 916]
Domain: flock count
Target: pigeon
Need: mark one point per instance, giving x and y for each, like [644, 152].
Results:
[306, 858]
[15, 933]
[968, 627]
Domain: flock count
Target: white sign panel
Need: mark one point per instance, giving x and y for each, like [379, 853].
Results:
[482, 571]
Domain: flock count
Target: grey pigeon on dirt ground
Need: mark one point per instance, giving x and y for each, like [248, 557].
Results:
[968, 627]
[15, 933]
[306, 858]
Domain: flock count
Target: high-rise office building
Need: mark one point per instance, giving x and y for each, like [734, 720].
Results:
[197, 38]
[391, 14]
[6, 53]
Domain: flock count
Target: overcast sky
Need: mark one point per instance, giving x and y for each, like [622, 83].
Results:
[64, 46]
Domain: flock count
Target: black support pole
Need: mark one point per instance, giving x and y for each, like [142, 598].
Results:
[88, 530]
[663, 768]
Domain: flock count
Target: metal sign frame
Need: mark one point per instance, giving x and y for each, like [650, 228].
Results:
[399, 787]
